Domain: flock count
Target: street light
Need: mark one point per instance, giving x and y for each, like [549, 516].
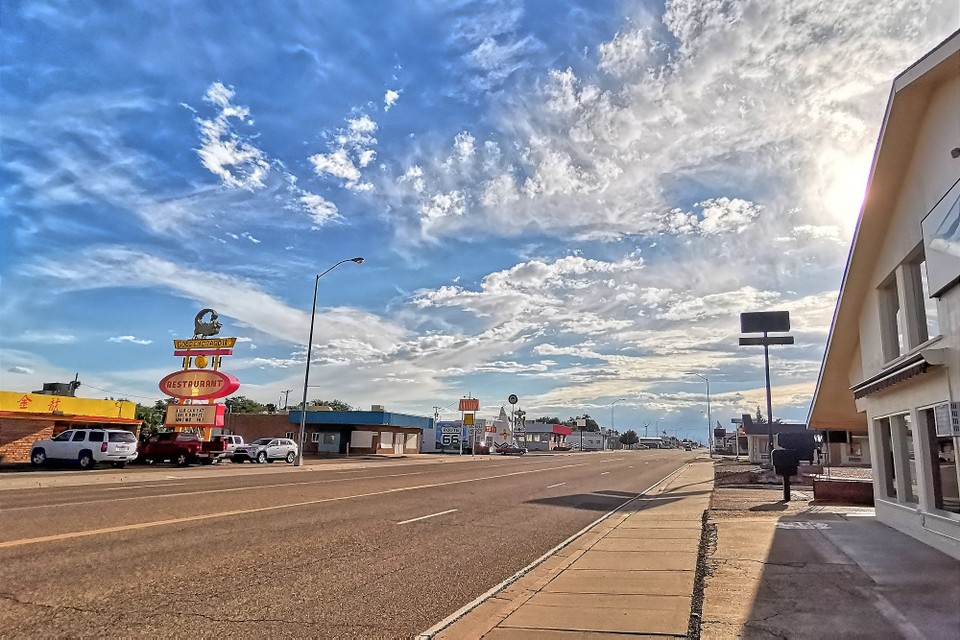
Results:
[612, 425]
[306, 374]
[709, 418]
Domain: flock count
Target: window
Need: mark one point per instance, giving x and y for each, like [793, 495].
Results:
[329, 438]
[78, 436]
[386, 440]
[118, 436]
[315, 436]
[943, 465]
[930, 304]
[289, 435]
[63, 437]
[910, 468]
[885, 466]
[97, 436]
[891, 320]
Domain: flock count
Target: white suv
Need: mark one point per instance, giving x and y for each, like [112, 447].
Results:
[266, 450]
[87, 447]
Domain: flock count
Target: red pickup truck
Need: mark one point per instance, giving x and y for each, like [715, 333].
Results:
[180, 447]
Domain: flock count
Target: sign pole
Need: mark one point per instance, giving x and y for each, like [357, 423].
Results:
[766, 365]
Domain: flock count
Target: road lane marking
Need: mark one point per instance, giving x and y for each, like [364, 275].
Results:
[201, 492]
[432, 515]
[276, 507]
[226, 490]
[470, 606]
[604, 473]
[607, 495]
[553, 486]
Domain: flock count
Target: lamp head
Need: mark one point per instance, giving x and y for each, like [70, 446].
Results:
[357, 260]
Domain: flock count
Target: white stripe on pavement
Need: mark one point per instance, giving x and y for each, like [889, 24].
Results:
[604, 473]
[553, 486]
[432, 515]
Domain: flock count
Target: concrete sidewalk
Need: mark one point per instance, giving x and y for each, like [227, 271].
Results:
[798, 570]
[632, 573]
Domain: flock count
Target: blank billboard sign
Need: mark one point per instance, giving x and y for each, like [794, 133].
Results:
[764, 321]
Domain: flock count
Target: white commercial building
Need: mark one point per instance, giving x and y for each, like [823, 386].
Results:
[892, 365]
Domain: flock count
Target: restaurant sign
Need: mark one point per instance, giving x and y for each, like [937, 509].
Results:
[199, 384]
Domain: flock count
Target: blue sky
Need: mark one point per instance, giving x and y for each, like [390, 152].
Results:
[569, 201]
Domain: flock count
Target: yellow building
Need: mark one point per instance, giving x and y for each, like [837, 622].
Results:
[28, 417]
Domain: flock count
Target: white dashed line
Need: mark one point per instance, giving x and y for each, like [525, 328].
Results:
[432, 515]
[553, 486]
[604, 473]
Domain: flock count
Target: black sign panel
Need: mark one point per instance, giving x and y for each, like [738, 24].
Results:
[761, 321]
[720, 433]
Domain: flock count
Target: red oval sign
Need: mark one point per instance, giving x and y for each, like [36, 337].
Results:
[199, 384]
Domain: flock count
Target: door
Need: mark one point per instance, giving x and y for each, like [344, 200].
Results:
[59, 445]
[398, 439]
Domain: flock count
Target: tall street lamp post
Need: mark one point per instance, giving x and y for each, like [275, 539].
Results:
[612, 424]
[709, 418]
[306, 374]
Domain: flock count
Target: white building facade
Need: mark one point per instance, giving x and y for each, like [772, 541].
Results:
[892, 365]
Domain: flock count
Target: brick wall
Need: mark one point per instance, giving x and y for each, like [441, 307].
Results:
[835, 491]
[259, 425]
[17, 437]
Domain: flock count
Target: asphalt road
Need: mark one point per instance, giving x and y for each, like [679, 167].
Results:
[332, 554]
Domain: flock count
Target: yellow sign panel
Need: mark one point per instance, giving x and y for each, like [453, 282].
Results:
[66, 405]
[468, 418]
[205, 343]
[202, 414]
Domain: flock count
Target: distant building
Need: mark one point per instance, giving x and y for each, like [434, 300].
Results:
[542, 436]
[337, 432]
[892, 363]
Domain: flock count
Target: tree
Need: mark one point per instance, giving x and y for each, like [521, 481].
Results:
[152, 417]
[591, 423]
[336, 405]
[629, 438]
[271, 408]
[548, 420]
[243, 404]
[762, 419]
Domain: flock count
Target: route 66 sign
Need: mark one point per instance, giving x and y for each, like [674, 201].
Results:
[513, 399]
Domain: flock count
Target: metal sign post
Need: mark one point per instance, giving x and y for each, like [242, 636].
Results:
[765, 322]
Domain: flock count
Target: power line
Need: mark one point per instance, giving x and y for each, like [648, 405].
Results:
[117, 393]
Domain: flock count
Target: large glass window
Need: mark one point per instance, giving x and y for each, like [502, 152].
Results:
[929, 304]
[943, 465]
[886, 467]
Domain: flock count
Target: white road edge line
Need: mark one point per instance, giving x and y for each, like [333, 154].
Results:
[470, 606]
[553, 486]
[432, 515]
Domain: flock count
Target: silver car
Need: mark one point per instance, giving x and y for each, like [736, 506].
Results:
[266, 450]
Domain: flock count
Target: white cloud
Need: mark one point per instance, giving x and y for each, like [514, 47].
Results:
[45, 337]
[235, 160]
[339, 165]
[464, 145]
[19, 369]
[390, 98]
[442, 205]
[130, 339]
[250, 237]
[320, 209]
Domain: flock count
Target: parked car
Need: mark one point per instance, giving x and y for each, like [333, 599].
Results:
[180, 447]
[87, 447]
[266, 450]
[222, 447]
[511, 449]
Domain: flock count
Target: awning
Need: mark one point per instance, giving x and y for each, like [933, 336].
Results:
[910, 367]
[71, 419]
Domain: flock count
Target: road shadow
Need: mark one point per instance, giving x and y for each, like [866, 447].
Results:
[602, 500]
[776, 506]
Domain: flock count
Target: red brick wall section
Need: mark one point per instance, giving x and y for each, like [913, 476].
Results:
[853, 492]
[259, 425]
[18, 436]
